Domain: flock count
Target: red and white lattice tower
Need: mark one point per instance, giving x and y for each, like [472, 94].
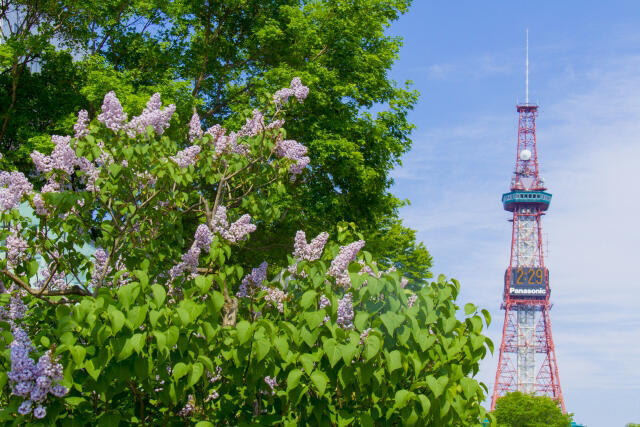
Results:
[526, 332]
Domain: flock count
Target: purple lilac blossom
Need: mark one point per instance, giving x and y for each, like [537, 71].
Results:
[16, 249]
[112, 114]
[40, 412]
[324, 301]
[203, 237]
[276, 124]
[188, 408]
[412, 300]
[295, 89]
[293, 150]
[81, 125]
[189, 263]
[364, 335]
[403, 282]
[212, 396]
[311, 251]
[152, 116]
[13, 186]
[100, 267]
[235, 232]
[195, 130]
[276, 297]
[345, 312]
[254, 125]
[25, 407]
[253, 281]
[187, 156]
[272, 383]
[338, 268]
[17, 309]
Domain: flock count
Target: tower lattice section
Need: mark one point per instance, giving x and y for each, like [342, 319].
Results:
[527, 360]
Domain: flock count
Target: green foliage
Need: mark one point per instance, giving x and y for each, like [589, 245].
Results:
[141, 348]
[230, 55]
[522, 410]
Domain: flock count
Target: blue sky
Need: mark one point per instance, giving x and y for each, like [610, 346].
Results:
[467, 60]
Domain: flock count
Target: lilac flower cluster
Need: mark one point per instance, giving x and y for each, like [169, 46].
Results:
[345, 312]
[293, 150]
[253, 281]
[235, 232]
[81, 125]
[202, 242]
[324, 302]
[13, 186]
[30, 380]
[296, 89]
[16, 249]
[17, 309]
[404, 282]
[195, 130]
[272, 383]
[412, 300]
[276, 297]
[254, 125]
[189, 408]
[187, 156]
[338, 267]
[311, 251]
[113, 116]
[364, 335]
[152, 116]
[100, 267]
[58, 281]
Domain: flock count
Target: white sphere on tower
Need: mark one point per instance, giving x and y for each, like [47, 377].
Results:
[525, 155]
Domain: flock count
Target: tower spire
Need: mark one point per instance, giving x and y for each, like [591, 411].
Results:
[526, 100]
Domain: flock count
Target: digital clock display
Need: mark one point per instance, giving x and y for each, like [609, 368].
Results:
[530, 282]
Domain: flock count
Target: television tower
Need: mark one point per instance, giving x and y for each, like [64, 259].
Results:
[527, 326]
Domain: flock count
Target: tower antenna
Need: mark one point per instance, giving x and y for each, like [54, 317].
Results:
[526, 99]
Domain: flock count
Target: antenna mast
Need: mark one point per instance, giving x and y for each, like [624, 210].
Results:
[526, 99]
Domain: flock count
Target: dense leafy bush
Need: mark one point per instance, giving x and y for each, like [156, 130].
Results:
[160, 324]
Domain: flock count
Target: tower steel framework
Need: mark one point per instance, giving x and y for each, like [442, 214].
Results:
[526, 332]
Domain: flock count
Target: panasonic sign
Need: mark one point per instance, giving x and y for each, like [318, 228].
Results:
[527, 292]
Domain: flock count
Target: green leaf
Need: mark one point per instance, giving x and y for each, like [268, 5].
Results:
[319, 380]
[172, 335]
[180, 370]
[348, 351]
[161, 340]
[360, 320]
[391, 321]
[308, 299]
[307, 362]
[293, 379]
[185, 318]
[487, 316]
[469, 308]
[437, 386]
[332, 351]
[394, 359]
[204, 424]
[159, 294]
[78, 353]
[206, 362]
[117, 319]
[402, 399]
[244, 331]
[282, 345]
[196, 372]
[314, 318]
[425, 403]
[137, 342]
[371, 347]
[469, 387]
[262, 348]
[128, 293]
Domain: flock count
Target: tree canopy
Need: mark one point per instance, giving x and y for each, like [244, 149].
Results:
[224, 58]
[523, 410]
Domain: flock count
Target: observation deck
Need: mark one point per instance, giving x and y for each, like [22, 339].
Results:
[516, 198]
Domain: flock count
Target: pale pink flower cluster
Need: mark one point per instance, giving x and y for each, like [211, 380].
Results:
[338, 267]
[235, 232]
[13, 186]
[152, 116]
[276, 297]
[364, 335]
[345, 312]
[100, 267]
[272, 383]
[412, 300]
[81, 125]
[113, 116]
[253, 281]
[58, 281]
[195, 130]
[186, 157]
[296, 89]
[225, 144]
[293, 150]
[324, 302]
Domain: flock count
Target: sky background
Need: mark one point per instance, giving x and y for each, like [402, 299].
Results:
[467, 60]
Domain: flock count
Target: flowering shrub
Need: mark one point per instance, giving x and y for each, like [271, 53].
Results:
[159, 326]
